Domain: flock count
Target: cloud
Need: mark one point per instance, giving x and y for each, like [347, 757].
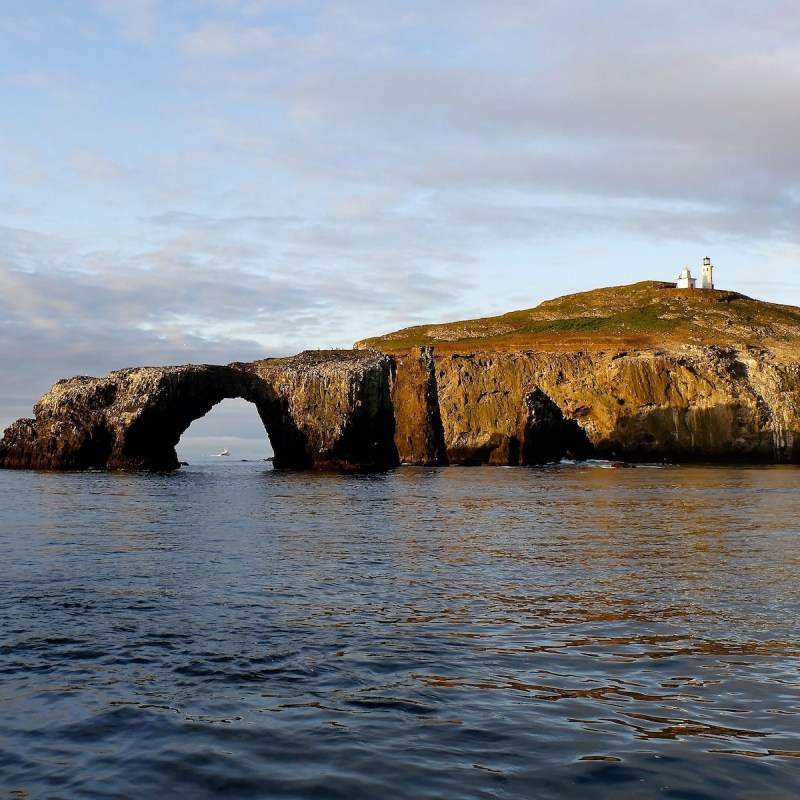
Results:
[138, 20]
[217, 39]
[232, 178]
[204, 294]
[642, 104]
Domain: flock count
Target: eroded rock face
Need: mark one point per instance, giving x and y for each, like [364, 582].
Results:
[335, 409]
[547, 435]
[690, 404]
[327, 409]
[419, 435]
[364, 410]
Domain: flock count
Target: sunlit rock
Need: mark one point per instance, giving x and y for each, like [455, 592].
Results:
[321, 409]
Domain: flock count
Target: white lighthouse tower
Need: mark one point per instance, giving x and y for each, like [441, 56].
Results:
[706, 277]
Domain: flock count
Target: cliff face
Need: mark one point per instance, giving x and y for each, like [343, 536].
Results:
[642, 373]
[694, 404]
[419, 435]
[327, 409]
[322, 410]
[366, 410]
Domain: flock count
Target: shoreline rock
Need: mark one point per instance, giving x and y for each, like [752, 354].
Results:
[321, 410]
[643, 373]
[363, 410]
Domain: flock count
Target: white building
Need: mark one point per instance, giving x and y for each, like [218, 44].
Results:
[707, 278]
[686, 281]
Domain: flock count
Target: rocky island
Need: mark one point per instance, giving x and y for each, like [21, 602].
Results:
[646, 372]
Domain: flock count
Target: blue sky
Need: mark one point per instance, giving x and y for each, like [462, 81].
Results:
[221, 180]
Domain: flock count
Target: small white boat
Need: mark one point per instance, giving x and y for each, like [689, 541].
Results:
[223, 453]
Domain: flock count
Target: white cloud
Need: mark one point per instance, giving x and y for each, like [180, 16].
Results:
[220, 179]
[216, 38]
[138, 20]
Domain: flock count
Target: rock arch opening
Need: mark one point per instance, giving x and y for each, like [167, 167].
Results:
[233, 426]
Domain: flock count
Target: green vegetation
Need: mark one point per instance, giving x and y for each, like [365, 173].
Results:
[644, 320]
[646, 310]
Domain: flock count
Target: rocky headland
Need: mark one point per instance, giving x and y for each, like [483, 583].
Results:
[321, 410]
[645, 372]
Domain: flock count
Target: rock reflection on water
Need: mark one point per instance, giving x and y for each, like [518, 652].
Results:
[554, 632]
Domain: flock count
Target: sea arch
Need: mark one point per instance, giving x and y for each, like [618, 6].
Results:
[187, 394]
[320, 409]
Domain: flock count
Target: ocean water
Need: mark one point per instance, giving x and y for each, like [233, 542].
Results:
[560, 632]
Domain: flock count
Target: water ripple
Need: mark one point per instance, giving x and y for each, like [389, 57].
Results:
[233, 631]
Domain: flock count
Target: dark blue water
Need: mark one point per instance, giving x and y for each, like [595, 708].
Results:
[230, 631]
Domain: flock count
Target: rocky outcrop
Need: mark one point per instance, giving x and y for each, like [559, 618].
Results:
[688, 404]
[325, 410]
[419, 435]
[367, 410]
[335, 409]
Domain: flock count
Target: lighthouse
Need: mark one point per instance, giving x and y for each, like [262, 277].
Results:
[706, 276]
[686, 281]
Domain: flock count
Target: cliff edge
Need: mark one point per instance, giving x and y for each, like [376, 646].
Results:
[644, 372]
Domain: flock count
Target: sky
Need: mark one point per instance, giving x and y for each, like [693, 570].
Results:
[207, 181]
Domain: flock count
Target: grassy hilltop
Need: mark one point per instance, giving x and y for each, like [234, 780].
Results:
[649, 313]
